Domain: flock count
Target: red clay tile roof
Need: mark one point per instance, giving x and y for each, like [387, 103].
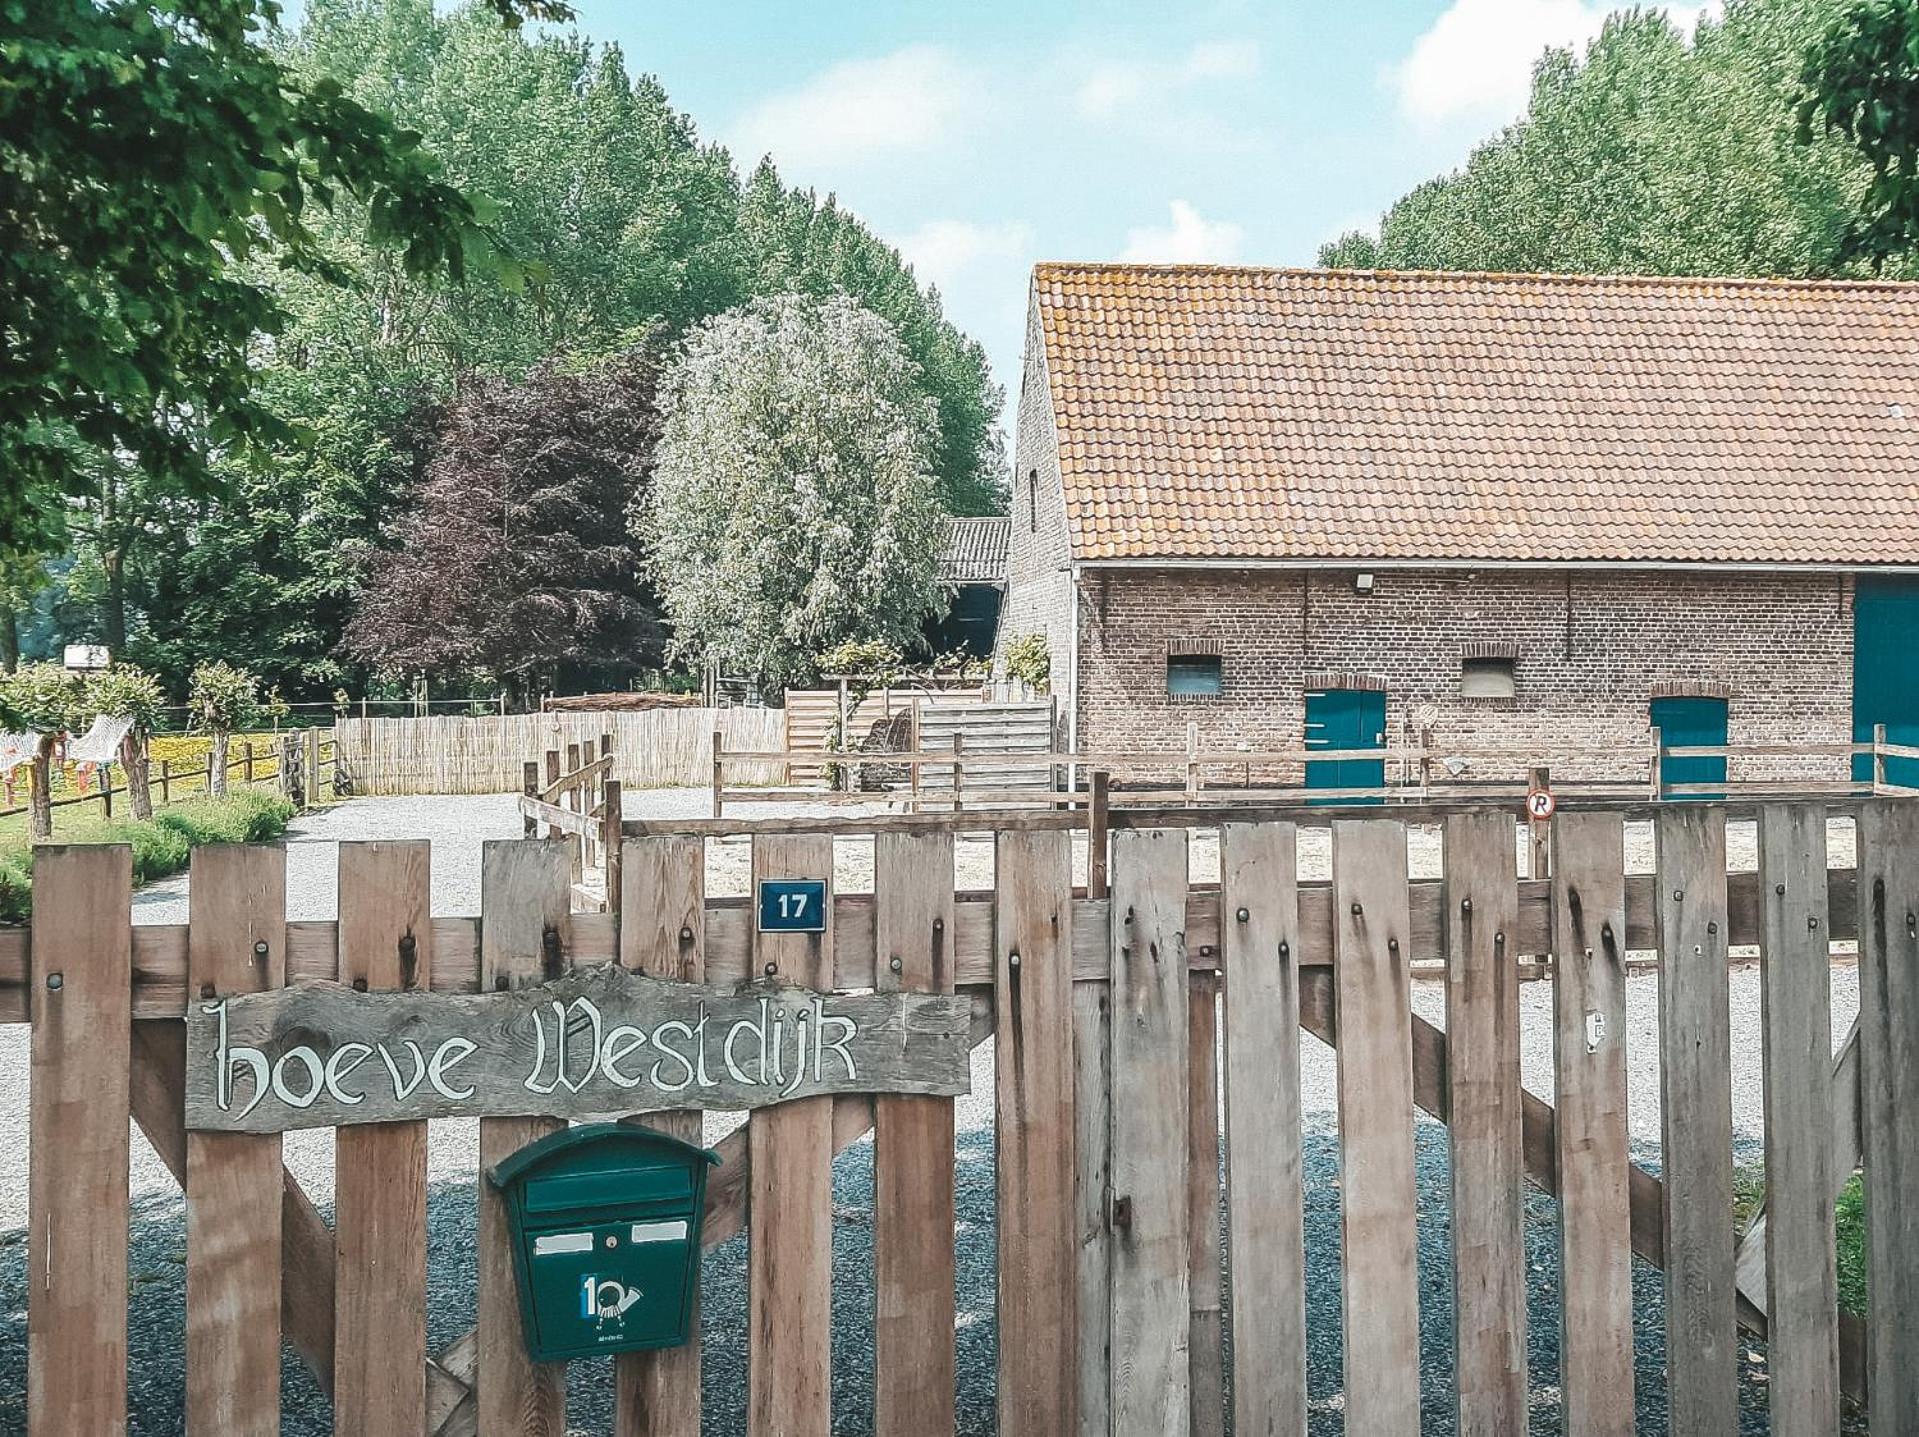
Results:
[1322, 414]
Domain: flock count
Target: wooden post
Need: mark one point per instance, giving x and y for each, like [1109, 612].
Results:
[530, 786]
[313, 767]
[77, 1165]
[552, 777]
[575, 799]
[106, 790]
[1192, 762]
[719, 769]
[1538, 830]
[1878, 758]
[524, 937]
[1658, 764]
[1096, 817]
[246, 762]
[211, 763]
[913, 746]
[166, 782]
[959, 771]
[379, 1366]
[236, 943]
[610, 844]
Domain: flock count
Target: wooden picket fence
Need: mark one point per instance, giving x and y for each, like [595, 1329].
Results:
[1125, 1011]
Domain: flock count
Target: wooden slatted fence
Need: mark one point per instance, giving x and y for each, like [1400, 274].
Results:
[1124, 1019]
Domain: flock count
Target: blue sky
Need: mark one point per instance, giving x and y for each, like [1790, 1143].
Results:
[981, 137]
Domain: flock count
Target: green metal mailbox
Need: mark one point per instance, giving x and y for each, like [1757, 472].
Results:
[605, 1220]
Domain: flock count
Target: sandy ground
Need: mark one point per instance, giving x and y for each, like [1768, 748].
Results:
[459, 825]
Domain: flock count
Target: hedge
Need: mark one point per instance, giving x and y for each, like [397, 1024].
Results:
[160, 847]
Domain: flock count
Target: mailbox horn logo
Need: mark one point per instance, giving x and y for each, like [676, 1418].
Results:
[605, 1299]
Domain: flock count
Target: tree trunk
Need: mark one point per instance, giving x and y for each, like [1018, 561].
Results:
[40, 790]
[217, 775]
[9, 636]
[133, 758]
[113, 561]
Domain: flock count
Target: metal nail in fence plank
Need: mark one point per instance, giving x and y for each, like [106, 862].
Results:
[1259, 937]
[1092, 1117]
[1206, 1355]
[1802, 1324]
[1151, 1255]
[1888, 1100]
[790, 1246]
[1488, 1159]
[913, 1257]
[662, 912]
[1589, 1079]
[1373, 987]
[1034, 1075]
[1695, 1088]
[524, 921]
[236, 913]
[77, 1144]
[379, 1364]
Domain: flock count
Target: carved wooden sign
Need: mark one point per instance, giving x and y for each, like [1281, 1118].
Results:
[598, 1041]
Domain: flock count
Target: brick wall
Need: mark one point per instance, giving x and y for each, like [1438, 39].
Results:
[1039, 590]
[1591, 651]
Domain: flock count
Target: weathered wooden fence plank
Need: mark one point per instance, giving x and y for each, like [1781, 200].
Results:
[1206, 1356]
[790, 1247]
[1151, 1257]
[1488, 1158]
[1888, 1101]
[1702, 1358]
[1589, 1084]
[1092, 1118]
[1259, 868]
[77, 1144]
[379, 1364]
[236, 914]
[1373, 987]
[1034, 1131]
[1802, 1324]
[913, 1159]
[523, 895]
[662, 912]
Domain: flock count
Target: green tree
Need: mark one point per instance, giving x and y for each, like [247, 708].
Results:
[150, 151]
[1862, 76]
[794, 505]
[45, 699]
[223, 699]
[1650, 154]
[125, 692]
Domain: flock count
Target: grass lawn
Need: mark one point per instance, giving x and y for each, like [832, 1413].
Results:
[1849, 1220]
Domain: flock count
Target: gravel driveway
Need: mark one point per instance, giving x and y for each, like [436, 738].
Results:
[458, 825]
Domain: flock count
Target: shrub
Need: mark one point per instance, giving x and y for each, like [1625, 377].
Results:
[1027, 659]
[161, 846]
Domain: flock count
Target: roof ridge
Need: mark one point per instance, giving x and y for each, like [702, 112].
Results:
[1566, 277]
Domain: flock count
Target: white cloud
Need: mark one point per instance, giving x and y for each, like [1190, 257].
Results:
[908, 102]
[943, 252]
[1474, 63]
[1191, 238]
[1110, 88]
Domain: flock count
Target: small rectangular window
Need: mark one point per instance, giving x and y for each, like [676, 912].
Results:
[1193, 675]
[1486, 679]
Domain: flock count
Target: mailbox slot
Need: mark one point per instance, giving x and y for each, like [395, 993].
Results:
[605, 1221]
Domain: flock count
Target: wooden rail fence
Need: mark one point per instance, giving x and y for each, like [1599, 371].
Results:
[1117, 1009]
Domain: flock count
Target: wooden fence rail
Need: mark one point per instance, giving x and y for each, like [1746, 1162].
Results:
[1125, 1015]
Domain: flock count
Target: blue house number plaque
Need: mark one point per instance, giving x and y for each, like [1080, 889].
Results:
[792, 905]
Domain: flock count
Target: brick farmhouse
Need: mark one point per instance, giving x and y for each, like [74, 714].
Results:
[1511, 511]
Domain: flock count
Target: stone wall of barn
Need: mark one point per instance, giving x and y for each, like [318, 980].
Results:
[1039, 587]
[1590, 650]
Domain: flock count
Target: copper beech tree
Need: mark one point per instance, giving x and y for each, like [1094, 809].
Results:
[515, 564]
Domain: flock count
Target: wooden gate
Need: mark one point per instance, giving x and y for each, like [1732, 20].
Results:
[1125, 1016]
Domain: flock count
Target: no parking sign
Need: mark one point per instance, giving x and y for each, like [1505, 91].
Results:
[1540, 803]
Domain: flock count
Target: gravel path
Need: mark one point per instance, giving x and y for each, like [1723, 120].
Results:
[458, 826]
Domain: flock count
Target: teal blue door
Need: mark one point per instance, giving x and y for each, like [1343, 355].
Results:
[1885, 672]
[1346, 719]
[1690, 723]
